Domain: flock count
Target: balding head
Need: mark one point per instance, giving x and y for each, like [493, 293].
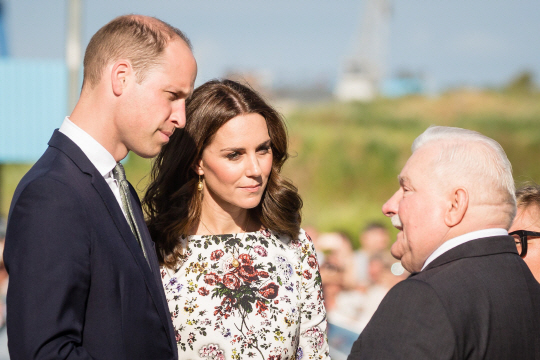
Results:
[478, 163]
[140, 39]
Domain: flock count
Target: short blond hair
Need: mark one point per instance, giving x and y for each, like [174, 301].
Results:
[139, 39]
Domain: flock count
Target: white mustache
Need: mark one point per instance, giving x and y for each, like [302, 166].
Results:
[396, 221]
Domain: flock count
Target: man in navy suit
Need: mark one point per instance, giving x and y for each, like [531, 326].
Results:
[470, 295]
[83, 283]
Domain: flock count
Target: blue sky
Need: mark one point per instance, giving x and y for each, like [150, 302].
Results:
[452, 42]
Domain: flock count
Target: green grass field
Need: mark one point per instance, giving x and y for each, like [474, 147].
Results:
[345, 158]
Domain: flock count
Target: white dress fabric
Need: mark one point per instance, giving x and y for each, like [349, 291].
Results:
[256, 295]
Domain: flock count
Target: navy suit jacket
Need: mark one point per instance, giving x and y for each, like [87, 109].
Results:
[80, 287]
[478, 300]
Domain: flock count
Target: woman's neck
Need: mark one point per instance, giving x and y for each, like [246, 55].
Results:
[215, 220]
[216, 224]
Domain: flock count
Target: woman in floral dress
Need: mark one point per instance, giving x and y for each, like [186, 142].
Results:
[240, 276]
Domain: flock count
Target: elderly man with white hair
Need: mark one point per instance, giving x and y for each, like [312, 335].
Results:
[470, 295]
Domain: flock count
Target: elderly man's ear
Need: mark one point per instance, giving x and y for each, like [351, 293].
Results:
[457, 207]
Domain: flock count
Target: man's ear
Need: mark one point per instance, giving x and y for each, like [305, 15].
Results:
[459, 202]
[121, 73]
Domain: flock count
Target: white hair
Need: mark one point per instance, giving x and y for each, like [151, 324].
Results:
[470, 157]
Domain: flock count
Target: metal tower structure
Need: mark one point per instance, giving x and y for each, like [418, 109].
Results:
[363, 71]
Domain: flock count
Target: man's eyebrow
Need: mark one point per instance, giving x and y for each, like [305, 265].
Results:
[403, 179]
[179, 93]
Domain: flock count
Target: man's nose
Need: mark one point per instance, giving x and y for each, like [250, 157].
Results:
[178, 115]
[390, 208]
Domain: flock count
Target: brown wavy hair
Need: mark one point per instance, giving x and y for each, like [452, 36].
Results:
[172, 202]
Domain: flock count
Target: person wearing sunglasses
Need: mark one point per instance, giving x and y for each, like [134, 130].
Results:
[526, 226]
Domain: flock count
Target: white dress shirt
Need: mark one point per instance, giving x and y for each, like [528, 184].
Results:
[452, 243]
[95, 152]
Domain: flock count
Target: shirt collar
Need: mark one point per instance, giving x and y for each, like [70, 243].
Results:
[94, 151]
[452, 243]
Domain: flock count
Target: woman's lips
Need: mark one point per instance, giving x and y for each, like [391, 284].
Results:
[251, 188]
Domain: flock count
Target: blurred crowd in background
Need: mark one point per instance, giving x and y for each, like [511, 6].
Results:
[354, 281]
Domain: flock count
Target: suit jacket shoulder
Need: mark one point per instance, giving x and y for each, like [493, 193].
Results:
[410, 323]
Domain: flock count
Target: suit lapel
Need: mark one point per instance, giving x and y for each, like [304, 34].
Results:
[152, 259]
[474, 248]
[150, 274]
[64, 144]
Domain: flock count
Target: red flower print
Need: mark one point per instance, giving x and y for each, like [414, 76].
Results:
[307, 274]
[276, 301]
[226, 306]
[261, 307]
[248, 273]
[231, 281]
[269, 291]
[216, 254]
[308, 237]
[263, 274]
[211, 279]
[245, 259]
[203, 291]
[312, 261]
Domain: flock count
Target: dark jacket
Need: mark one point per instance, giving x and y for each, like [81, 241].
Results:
[79, 286]
[479, 300]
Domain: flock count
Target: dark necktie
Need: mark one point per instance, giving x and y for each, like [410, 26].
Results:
[125, 196]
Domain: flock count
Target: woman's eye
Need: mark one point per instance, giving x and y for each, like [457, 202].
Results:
[265, 150]
[232, 156]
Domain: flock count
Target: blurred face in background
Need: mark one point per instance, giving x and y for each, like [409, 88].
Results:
[528, 218]
[374, 240]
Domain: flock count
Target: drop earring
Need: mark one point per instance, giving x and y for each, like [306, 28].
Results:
[200, 184]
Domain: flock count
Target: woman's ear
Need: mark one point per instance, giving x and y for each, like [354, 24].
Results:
[197, 167]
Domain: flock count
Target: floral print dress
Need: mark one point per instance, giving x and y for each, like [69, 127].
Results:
[256, 295]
